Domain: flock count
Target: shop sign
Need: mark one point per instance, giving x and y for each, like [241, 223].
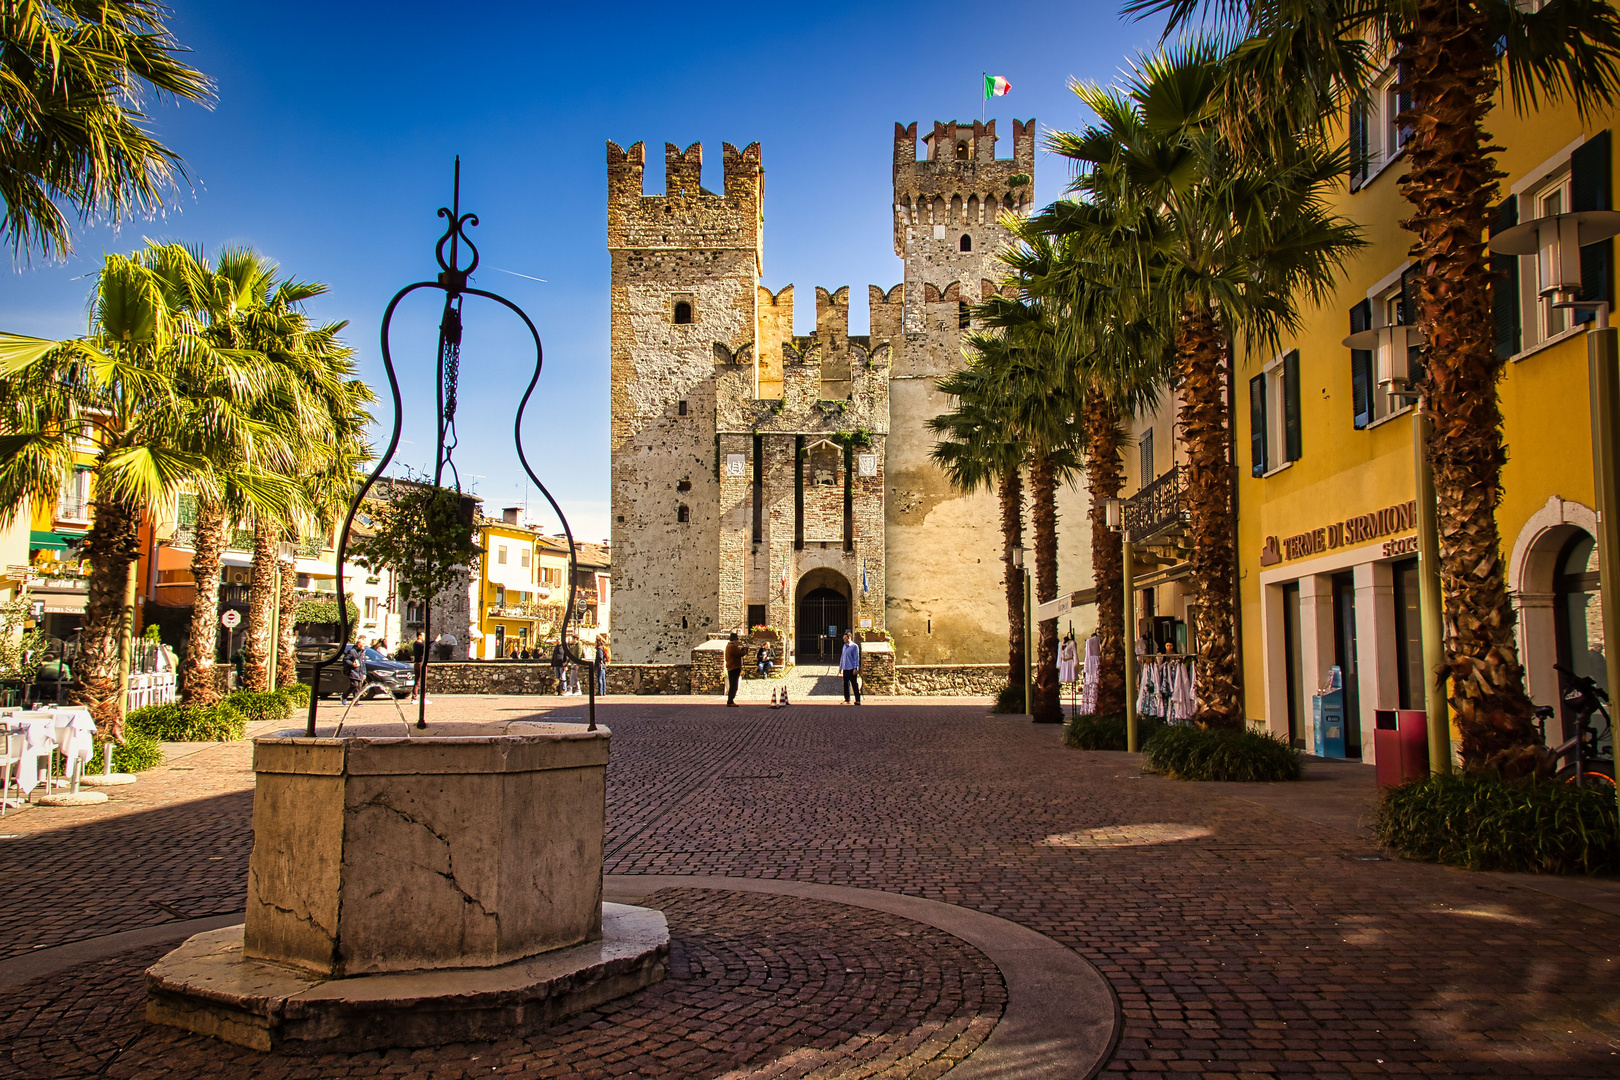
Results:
[1353, 530]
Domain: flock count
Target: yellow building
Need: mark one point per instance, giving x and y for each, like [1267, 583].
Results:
[523, 587]
[1327, 537]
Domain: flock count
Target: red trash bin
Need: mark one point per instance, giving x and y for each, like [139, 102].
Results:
[1400, 746]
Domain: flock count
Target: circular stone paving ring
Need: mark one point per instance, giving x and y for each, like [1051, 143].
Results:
[1062, 1018]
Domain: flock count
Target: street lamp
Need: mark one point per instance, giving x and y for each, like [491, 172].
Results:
[1019, 558]
[1114, 517]
[1556, 243]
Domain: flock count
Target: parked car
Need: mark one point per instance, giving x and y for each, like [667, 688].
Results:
[382, 674]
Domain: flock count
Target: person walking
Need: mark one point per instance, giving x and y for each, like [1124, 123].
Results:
[603, 655]
[354, 666]
[559, 661]
[735, 651]
[849, 662]
[418, 659]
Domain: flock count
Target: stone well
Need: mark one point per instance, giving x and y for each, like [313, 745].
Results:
[407, 891]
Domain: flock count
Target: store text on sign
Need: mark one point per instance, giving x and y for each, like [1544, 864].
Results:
[1353, 530]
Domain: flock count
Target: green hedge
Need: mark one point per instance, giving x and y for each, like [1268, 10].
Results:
[257, 705]
[1188, 753]
[1088, 732]
[140, 751]
[1009, 699]
[189, 723]
[324, 611]
[1484, 822]
[297, 694]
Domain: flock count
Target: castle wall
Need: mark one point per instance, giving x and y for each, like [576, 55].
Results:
[688, 246]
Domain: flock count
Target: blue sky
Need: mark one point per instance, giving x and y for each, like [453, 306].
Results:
[331, 147]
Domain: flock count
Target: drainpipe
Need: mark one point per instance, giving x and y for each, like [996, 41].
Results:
[1434, 651]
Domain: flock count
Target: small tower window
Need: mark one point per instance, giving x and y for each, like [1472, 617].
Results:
[683, 312]
[680, 406]
[967, 242]
[683, 514]
[963, 314]
[961, 151]
[684, 486]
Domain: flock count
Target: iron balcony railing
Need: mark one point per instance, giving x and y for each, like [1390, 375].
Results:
[1155, 509]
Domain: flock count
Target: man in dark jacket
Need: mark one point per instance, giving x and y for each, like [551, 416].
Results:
[559, 662]
[735, 651]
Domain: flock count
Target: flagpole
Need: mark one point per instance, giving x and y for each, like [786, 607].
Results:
[983, 79]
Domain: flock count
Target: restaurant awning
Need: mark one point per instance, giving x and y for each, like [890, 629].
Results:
[54, 541]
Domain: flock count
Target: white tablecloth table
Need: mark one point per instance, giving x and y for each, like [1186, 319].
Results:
[46, 730]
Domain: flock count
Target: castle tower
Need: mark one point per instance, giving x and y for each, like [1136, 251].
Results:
[945, 595]
[685, 267]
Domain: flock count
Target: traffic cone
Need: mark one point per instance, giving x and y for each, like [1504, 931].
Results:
[784, 697]
[773, 697]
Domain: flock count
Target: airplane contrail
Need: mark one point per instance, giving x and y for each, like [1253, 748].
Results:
[531, 277]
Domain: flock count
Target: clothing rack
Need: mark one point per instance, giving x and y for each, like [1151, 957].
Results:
[1167, 687]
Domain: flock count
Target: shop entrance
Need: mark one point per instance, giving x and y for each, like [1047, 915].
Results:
[1344, 655]
[1578, 611]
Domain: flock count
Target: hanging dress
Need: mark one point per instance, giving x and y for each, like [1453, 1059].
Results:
[1068, 661]
[1093, 670]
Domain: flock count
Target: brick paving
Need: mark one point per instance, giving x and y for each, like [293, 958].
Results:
[1243, 938]
[759, 986]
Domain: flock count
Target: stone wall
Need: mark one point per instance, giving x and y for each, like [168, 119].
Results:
[519, 677]
[950, 680]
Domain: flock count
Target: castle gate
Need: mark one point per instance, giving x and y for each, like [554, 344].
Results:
[822, 614]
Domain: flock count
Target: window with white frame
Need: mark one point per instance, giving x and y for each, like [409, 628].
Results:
[73, 502]
[1523, 317]
[1376, 135]
[1274, 422]
[1145, 452]
[1393, 305]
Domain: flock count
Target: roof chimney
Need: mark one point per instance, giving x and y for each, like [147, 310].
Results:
[510, 514]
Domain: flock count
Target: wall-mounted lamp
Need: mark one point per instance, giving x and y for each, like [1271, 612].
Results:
[1113, 510]
[1018, 557]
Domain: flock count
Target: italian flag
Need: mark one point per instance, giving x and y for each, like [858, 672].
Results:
[995, 86]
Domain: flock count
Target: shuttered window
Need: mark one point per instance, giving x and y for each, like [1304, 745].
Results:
[1591, 188]
[1505, 284]
[1359, 160]
[1257, 425]
[1361, 367]
[1292, 436]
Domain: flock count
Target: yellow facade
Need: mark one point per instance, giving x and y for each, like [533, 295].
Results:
[1323, 583]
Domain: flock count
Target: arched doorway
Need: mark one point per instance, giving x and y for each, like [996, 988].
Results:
[821, 615]
[1553, 573]
[1578, 612]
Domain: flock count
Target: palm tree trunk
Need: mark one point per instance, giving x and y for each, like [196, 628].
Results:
[1201, 359]
[111, 547]
[286, 655]
[1105, 476]
[1047, 707]
[1451, 184]
[261, 608]
[197, 686]
[1010, 488]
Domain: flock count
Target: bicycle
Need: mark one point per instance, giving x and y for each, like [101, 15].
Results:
[1583, 698]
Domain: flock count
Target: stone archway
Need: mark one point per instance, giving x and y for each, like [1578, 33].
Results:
[822, 601]
[1533, 567]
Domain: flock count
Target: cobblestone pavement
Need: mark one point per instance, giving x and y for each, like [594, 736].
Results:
[1245, 936]
[758, 986]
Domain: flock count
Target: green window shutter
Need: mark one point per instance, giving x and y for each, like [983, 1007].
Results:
[1591, 188]
[1358, 143]
[1409, 296]
[1361, 363]
[1257, 425]
[185, 511]
[1291, 429]
[1505, 284]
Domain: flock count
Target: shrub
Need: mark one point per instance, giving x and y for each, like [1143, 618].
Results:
[1188, 753]
[297, 694]
[1009, 699]
[1484, 822]
[257, 705]
[140, 751]
[1086, 731]
[189, 723]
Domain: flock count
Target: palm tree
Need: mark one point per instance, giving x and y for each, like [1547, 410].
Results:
[1224, 245]
[70, 93]
[212, 298]
[1307, 62]
[1019, 359]
[127, 390]
[976, 450]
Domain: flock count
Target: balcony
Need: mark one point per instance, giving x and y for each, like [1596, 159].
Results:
[529, 611]
[74, 508]
[1156, 514]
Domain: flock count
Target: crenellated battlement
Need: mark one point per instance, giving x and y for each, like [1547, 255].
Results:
[960, 181]
[686, 215]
